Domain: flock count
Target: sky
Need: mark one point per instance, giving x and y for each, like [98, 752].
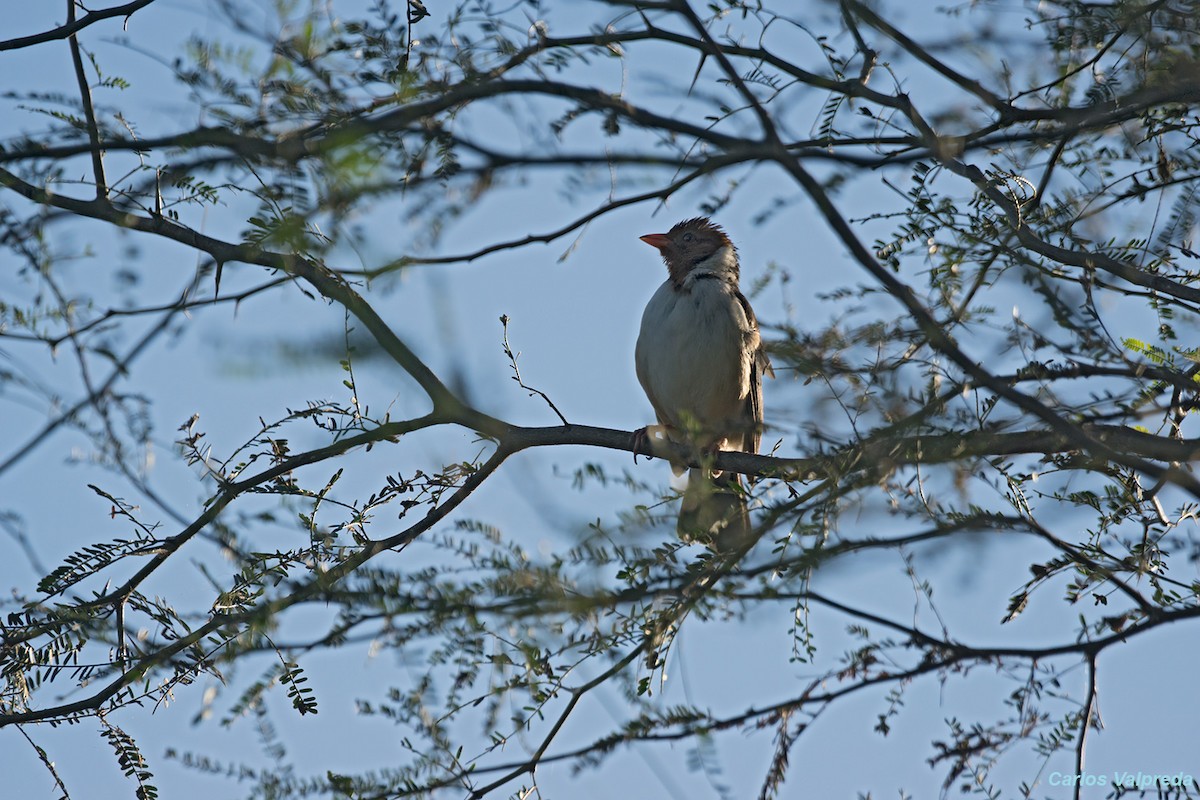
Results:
[574, 321]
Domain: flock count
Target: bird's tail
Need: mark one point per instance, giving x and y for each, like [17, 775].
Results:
[714, 510]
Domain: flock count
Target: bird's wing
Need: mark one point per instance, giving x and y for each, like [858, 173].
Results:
[752, 438]
[752, 412]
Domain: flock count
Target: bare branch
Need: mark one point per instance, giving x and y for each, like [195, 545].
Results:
[73, 25]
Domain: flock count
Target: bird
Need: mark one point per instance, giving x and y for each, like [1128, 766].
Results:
[700, 359]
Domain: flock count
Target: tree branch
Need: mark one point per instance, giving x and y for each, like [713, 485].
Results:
[73, 25]
[89, 111]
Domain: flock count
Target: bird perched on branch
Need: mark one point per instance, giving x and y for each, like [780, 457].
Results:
[700, 360]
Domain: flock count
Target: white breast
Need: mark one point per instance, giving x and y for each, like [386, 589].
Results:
[692, 356]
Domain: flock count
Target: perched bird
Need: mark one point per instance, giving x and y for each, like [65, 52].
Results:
[700, 360]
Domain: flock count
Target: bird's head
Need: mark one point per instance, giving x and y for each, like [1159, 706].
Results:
[691, 243]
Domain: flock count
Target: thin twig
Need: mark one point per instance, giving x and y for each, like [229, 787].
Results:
[512, 360]
[1089, 711]
[89, 111]
[46, 762]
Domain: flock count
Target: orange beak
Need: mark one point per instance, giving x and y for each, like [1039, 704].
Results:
[659, 240]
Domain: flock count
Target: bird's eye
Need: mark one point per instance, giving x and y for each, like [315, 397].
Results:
[687, 237]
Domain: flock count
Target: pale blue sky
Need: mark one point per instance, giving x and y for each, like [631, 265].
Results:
[574, 323]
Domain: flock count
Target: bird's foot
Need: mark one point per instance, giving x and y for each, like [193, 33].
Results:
[641, 443]
[708, 455]
[644, 440]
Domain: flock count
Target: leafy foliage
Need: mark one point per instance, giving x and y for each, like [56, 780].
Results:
[1010, 361]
